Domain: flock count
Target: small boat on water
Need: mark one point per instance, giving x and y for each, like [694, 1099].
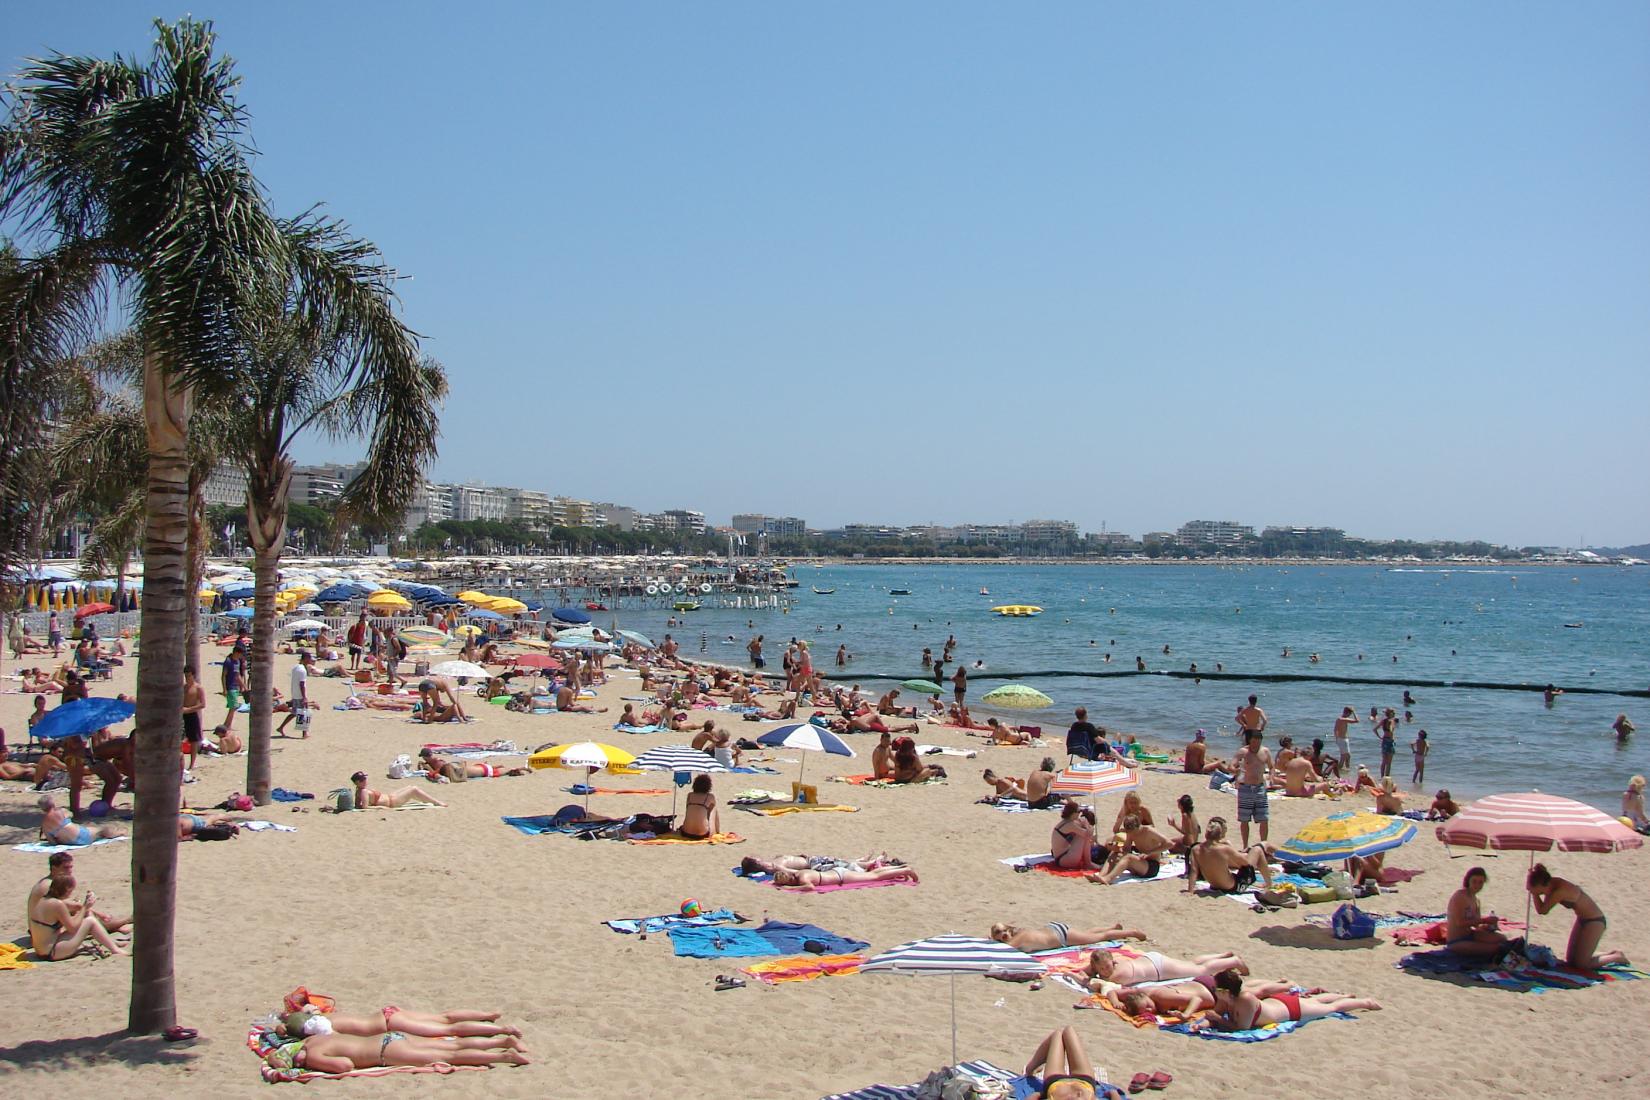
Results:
[985, 591]
[1017, 611]
[899, 591]
[595, 607]
[824, 591]
[685, 605]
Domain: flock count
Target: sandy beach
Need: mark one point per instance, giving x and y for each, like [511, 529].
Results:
[450, 908]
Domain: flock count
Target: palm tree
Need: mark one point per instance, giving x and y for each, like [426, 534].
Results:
[136, 175]
[334, 358]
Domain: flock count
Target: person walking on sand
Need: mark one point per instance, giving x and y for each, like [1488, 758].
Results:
[298, 702]
[1254, 773]
[357, 638]
[234, 684]
[1343, 743]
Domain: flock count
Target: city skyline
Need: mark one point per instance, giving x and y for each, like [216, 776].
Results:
[1297, 281]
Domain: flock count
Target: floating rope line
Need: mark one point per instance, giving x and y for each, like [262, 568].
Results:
[1261, 678]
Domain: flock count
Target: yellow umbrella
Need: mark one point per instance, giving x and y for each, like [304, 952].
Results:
[384, 597]
[477, 599]
[585, 756]
[469, 630]
[504, 605]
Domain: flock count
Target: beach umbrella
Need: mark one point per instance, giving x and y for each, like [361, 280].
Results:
[589, 645]
[536, 660]
[238, 591]
[239, 613]
[1017, 697]
[460, 668]
[1344, 835]
[1094, 777]
[569, 615]
[677, 758]
[469, 630]
[1532, 823]
[307, 624]
[386, 599]
[336, 593]
[640, 639]
[950, 956]
[309, 608]
[82, 716]
[93, 609]
[586, 756]
[421, 635]
[504, 605]
[927, 687]
[483, 613]
[474, 597]
[807, 737]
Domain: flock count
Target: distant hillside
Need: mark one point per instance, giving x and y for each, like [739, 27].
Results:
[1642, 550]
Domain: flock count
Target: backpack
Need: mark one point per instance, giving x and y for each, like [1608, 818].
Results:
[1352, 923]
[402, 767]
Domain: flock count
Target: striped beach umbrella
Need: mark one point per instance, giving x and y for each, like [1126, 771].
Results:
[421, 635]
[1017, 697]
[807, 737]
[950, 956]
[1346, 834]
[1095, 777]
[677, 758]
[1536, 822]
[463, 669]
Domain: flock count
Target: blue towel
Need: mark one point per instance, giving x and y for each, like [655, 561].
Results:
[541, 824]
[281, 794]
[672, 920]
[754, 876]
[788, 938]
[1257, 1034]
[622, 728]
[716, 943]
[755, 771]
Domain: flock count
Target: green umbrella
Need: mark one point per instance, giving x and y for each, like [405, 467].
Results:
[1017, 697]
[926, 686]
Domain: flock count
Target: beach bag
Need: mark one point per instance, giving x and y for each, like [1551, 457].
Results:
[1341, 883]
[1218, 780]
[1314, 895]
[343, 800]
[1352, 923]
[402, 767]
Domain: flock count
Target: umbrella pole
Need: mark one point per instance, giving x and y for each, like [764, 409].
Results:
[1529, 900]
[953, 1017]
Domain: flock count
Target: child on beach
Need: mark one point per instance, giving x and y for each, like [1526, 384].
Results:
[1419, 748]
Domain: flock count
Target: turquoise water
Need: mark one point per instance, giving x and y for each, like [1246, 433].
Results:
[1487, 624]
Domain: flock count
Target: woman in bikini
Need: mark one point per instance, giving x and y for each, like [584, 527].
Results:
[57, 828]
[462, 1023]
[59, 930]
[1271, 1003]
[1072, 844]
[1054, 935]
[366, 797]
[700, 818]
[1067, 1072]
[813, 880]
[1154, 966]
[1548, 892]
[331, 1053]
[1467, 931]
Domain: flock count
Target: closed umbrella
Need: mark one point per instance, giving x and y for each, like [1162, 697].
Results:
[950, 956]
[1017, 697]
[1345, 835]
[677, 758]
[82, 716]
[807, 737]
[927, 687]
[1536, 822]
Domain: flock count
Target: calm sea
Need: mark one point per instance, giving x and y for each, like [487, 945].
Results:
[1486, 624]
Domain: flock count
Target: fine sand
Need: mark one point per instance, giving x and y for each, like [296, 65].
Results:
[450, 908]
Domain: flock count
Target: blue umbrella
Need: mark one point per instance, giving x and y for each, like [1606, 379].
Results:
[483, 613]
[590, 645]
[806, 735]
[239, 613]
[570, 615]
[237, 591]
[338, 593]
[83, 716]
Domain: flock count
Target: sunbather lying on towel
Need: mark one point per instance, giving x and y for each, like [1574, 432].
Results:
[437, 766]
[811, 880]
[1179, 998]
[869, 722]
[366, 797]
[462, 1024]
[345, 1053]
[1239, 1009]
[1154, 966]
[1067, 1072]
[751, 865]
[1054, 935]
[567, 700]
[1003, 735]
[1005, 786]
[1223, 867]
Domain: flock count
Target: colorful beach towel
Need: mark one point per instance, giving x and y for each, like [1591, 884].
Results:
[632, 925]
[1515, 973]
[719, 838]
[766, 878]
[622, 728]
[11, 957]
[38, 848]
[582, 789]
[779, 809]
[1255, 1034]
[1015, 805]
[803, 968]
[771, 938]
[873, 781]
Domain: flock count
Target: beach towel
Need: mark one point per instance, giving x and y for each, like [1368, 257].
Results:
[718, 943]
[11, 957]
[582, 789]
[267, 826]
[1252, 1035]
[1422, 929]
[1015, 805]
[261, 1039]
[873, 781]
[802, 968]
[778, 809]
[1515, 972]
[540, 824]
[38, 848]
[622, 728]
[1393, 875]
[755, 771]
[719, 838]
[632, 925]
[986, 1074]
[281, 794]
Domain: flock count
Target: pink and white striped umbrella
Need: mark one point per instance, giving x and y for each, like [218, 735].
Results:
[1095, 777]
[1536, 823]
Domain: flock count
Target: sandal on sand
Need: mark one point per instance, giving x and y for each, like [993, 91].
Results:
[1139, 1082]
[177, 1033]
[725, 982]
[1160, 1080]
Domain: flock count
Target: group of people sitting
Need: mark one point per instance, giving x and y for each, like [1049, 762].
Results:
[1468, 931]
[895, 760]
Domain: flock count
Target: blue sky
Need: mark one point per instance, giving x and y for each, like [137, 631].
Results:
[1382, 267]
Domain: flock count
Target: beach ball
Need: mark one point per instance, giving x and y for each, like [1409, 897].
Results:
[690, 908]
[99, 808]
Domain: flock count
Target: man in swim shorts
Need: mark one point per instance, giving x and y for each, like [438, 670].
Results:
[1254, 771]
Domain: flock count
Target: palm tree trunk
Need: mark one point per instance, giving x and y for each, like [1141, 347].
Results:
[153, 1005]
[198, 535]
[266, 509]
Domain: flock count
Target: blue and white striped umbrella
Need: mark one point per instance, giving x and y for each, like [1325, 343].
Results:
[950, 956]
[808, 737]
[677, 758]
